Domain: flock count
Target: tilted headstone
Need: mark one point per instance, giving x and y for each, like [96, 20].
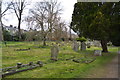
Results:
[97, 53]
[83, 46]
[75, 46]
[54, 52]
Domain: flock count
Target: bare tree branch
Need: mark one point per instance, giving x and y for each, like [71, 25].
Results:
[18, 8]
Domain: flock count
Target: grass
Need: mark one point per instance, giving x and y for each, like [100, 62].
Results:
[60, 69]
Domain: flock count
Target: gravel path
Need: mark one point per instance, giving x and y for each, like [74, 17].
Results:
[109, 70]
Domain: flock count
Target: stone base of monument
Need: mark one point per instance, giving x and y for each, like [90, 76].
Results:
[54, 59]
[20, 68]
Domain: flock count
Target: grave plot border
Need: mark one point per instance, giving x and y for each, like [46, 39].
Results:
[22, 49]
[85, 61]
[11, 70]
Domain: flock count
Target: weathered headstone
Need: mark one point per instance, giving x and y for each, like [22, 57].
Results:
[97, 53]
[83, 46]
[96, 43]
[75, 46]
[88, 45]
[54, 52]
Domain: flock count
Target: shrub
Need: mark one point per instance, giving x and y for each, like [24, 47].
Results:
[81, 39]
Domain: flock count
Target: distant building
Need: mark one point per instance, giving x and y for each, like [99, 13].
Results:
[13, 29]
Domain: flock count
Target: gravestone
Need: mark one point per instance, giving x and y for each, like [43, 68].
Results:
[83, 46]
[96, 43]
[54, 52]
[75, 46]
[88, 45]
[97, 53]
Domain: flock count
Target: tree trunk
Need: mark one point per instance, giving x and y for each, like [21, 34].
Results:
[19, 30]
[70, 35]
[104, 46]
[1, 26]
[2, 32]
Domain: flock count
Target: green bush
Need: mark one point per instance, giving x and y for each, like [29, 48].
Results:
[81, 39]
[7, 36]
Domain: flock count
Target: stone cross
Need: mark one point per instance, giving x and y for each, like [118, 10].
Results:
[54, 52]
[97, 53]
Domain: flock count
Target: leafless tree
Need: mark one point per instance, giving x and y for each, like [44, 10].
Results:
[54, 9]
[44, 15]
[38, 16]
[58, 29]
[18, 8]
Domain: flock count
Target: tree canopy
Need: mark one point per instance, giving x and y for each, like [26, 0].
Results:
[96, 21]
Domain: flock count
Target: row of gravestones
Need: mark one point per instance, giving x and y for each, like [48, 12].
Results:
[75, 47]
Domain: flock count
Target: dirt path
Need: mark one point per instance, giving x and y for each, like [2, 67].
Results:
[109, 70]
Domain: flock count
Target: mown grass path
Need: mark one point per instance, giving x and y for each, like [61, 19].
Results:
[110, 70]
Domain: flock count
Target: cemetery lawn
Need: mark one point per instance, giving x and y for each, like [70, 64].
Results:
[60, 69]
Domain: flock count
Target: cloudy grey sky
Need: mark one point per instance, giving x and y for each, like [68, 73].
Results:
[68, 6]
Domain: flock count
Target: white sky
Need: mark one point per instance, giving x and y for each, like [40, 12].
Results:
[67, 5]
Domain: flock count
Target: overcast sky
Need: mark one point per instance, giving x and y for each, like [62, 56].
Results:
[67, 5]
